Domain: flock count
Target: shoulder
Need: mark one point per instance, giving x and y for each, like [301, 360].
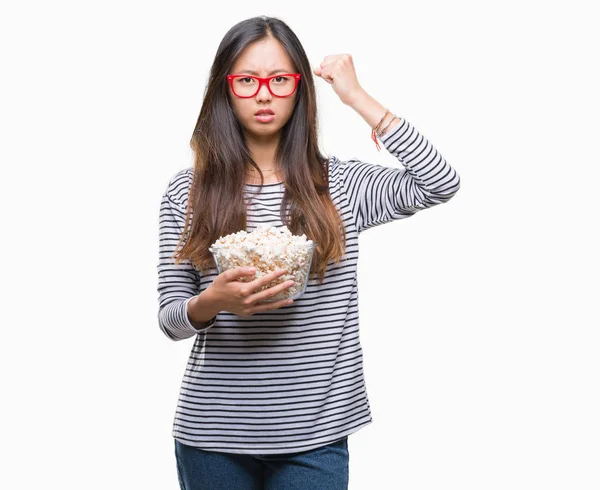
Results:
[337, 164]
[336, 167]
[178, 188]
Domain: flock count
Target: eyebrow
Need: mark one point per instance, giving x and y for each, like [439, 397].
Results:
[251, 72]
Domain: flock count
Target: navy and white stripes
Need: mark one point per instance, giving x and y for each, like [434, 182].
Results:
[380, 194]
[290, 379]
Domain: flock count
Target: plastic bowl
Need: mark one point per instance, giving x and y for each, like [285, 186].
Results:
[299, 272]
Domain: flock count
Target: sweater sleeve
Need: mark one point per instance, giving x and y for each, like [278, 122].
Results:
[379, 194]
[177, 284]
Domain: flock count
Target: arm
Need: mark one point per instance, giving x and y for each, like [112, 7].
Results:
[179, 284]
[380, 194]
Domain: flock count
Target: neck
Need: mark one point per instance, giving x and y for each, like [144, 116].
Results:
[263, 149]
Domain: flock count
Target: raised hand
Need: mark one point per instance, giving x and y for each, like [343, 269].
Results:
[338, 70]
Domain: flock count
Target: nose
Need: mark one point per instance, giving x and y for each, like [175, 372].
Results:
[263, 93]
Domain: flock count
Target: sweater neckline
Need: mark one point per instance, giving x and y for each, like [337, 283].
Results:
[264, 185]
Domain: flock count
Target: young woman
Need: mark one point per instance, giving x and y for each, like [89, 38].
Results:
[273, 389]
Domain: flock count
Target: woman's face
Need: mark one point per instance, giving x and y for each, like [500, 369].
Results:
[263, 58]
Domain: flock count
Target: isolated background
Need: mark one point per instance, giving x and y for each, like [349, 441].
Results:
[479, 317]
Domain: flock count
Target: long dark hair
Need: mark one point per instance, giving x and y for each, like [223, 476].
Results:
[216, 205]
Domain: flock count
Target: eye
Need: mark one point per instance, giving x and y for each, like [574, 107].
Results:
[282, 78]
[247, 78]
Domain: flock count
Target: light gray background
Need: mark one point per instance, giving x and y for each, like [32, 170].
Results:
[479, 317]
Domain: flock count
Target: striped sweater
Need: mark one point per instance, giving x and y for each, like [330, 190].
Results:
[289, 379]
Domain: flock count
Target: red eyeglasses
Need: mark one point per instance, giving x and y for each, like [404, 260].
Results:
[282, 85]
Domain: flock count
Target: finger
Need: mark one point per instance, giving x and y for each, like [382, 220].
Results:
[266, 279]
[328, 66]
[332, 57]
[233, 274]
[271, 306]
[324, 76]
[325, 72]
[270, 292]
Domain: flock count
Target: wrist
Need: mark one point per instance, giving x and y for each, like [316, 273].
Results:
[369, 109]
[357, 98]
[203, 308]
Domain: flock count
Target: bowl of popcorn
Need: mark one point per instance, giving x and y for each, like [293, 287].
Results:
[267, 248]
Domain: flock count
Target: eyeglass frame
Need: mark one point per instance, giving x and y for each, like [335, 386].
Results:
[266, 81]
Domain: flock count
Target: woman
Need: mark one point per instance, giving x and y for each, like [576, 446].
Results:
[273, 389]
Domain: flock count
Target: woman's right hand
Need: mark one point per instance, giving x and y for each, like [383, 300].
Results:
[241, 297]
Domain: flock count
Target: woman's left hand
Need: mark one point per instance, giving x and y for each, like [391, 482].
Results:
[338, 70]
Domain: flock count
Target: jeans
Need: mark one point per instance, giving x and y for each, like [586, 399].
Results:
[324, 468]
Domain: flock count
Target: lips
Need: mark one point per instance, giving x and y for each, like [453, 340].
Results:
[265, 112]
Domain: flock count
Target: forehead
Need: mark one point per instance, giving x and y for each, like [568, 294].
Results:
[263, 57]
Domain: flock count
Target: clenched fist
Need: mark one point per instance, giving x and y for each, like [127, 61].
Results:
[338, 70]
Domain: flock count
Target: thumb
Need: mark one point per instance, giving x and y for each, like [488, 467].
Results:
[319, 72]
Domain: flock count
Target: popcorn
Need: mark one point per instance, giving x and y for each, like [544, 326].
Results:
[267, 248]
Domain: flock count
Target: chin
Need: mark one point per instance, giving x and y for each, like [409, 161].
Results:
[265, 128]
